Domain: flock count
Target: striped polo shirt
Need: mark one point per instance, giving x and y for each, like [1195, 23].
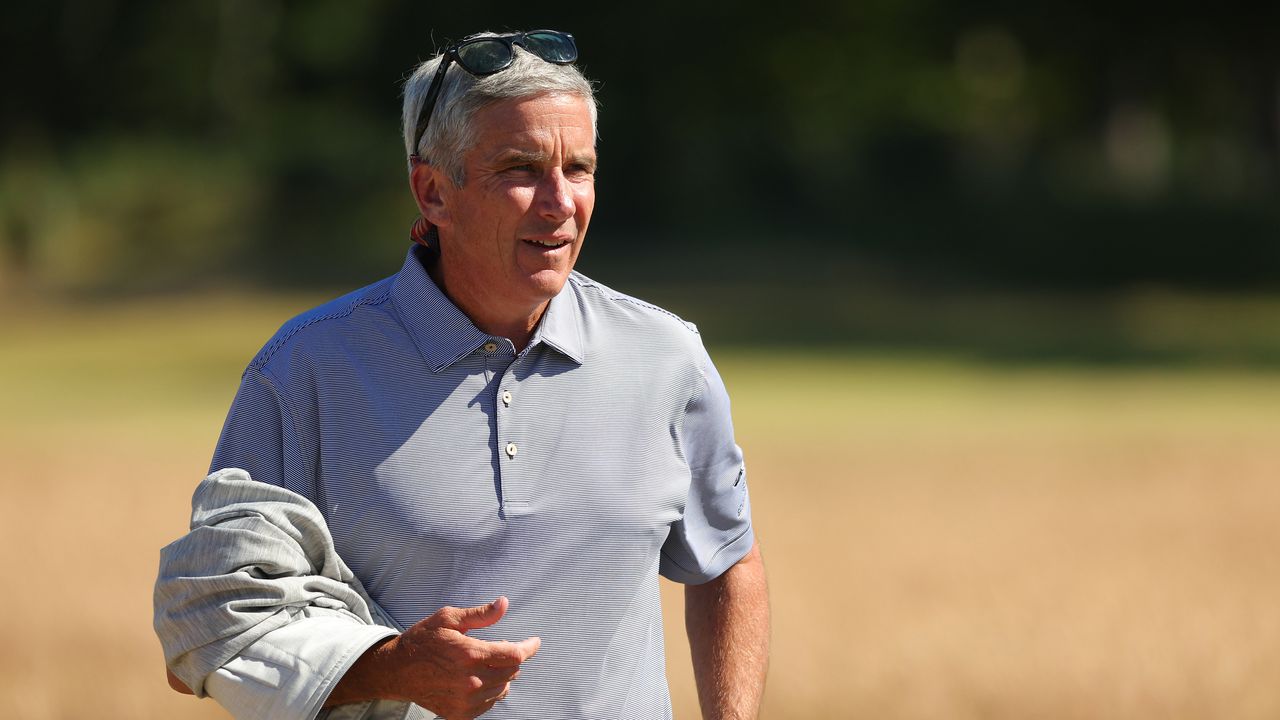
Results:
[451, 469]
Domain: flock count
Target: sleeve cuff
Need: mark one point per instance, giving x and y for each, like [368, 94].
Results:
[289, 672]
[725, 558]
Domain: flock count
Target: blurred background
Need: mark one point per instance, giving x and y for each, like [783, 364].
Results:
[995, 287]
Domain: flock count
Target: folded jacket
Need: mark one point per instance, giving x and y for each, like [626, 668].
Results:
[255, 608]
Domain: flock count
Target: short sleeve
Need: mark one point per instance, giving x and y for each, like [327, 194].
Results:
[715, 530]
[260, 436]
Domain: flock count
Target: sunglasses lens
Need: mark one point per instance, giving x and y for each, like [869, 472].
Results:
[552, 47]
[484, 57]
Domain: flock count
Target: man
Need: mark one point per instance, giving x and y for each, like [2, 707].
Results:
[486, 451]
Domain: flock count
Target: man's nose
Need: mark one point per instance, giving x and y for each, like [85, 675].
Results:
[555, 196]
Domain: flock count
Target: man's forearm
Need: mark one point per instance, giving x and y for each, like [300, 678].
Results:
[366, 678]
[728, 624]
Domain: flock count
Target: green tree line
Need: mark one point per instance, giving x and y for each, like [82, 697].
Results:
[1086, 146]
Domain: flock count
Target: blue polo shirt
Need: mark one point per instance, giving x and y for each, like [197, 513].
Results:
[451, 470]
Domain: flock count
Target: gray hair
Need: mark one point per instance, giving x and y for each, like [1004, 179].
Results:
[451, 132]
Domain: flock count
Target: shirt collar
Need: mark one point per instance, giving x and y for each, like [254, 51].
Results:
[561, 325]
[445, 335]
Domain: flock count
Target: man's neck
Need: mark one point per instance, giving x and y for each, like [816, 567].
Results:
[517, 325]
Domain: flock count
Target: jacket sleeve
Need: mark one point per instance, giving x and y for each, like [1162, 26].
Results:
[254, 607]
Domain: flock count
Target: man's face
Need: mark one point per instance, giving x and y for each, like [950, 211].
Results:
[514, 229]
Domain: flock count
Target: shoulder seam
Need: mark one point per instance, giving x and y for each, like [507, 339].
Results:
[616, 296]
[264, 355]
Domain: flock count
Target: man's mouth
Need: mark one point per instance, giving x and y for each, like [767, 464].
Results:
[550, 244]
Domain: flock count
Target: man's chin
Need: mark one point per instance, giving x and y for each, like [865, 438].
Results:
[546, 284]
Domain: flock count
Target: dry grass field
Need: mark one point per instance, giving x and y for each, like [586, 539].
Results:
[944, 539]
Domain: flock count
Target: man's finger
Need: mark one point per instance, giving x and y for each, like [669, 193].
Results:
[465, 619]
[508, 654]
[496, 676]
[504, 691]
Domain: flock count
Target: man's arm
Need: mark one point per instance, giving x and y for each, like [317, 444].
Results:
[433, 664]
[727, 620]
[211, 611]
[256, 589]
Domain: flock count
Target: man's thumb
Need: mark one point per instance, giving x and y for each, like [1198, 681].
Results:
[481, 615]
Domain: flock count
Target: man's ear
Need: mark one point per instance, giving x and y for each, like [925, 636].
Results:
[429, 185]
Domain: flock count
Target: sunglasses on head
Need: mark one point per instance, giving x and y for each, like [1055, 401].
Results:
[491, 54]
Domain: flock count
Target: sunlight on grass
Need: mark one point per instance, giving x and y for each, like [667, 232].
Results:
[947, 537]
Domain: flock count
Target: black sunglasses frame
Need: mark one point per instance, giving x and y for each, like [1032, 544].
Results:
[452, 55]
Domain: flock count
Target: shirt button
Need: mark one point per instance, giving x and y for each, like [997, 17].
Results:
[506, 397]
[512, 449]
[490, 346]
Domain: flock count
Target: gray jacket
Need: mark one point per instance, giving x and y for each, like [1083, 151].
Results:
[254, 607]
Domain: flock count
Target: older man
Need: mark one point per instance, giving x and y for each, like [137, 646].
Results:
[484, 424]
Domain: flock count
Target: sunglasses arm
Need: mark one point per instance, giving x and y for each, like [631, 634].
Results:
[429, 104]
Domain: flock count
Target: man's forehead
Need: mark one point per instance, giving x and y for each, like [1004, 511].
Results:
[533, 129]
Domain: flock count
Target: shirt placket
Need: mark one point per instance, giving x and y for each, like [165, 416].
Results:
[510, 445]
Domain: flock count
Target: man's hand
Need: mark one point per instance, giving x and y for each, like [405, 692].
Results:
[436, 665]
